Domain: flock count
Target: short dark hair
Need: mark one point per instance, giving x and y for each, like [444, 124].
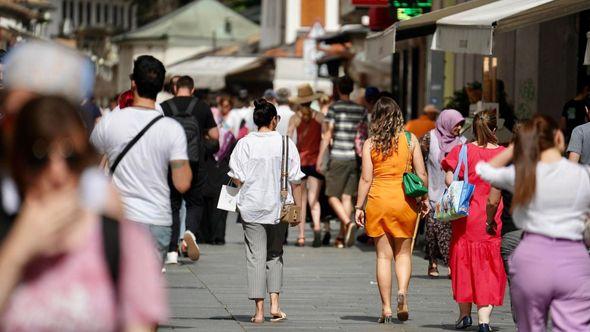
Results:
[148, 75]
[345, 85]
[185, 82]
[264, 112]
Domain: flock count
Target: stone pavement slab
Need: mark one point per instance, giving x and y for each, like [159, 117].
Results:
[325, 289]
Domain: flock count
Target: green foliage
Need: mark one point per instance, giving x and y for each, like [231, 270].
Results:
[459, 102]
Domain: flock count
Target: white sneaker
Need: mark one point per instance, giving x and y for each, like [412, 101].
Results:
[163, 270]
[192, 247]
[172, 258]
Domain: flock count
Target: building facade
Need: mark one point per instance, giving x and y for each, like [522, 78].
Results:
[70, 16]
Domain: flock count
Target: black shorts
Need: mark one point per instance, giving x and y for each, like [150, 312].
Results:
[311, 171]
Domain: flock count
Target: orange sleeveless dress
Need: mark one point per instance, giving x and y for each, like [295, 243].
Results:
[388, 209]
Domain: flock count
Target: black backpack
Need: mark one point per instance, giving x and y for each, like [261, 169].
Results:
[191, 127]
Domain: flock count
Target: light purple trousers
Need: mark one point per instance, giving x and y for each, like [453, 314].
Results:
[550, 276]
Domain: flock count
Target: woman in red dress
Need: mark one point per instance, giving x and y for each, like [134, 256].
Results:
[477, 271]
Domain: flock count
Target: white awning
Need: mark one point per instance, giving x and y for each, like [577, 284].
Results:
[587, 57]
[210, 72]
[472, 31]
[382, 44]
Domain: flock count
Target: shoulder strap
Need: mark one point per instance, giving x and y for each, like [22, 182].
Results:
[173, 108]
[188, 110]
[111, 247]
[409, 141]
[132, 143]
[462, 162]
[284, 168]
[192, 105]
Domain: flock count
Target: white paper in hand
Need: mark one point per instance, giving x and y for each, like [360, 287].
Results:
[228, 198]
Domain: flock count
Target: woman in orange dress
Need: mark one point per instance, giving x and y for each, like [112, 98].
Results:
[390, 216]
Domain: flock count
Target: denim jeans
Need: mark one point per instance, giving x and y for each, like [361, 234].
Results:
[161, 236]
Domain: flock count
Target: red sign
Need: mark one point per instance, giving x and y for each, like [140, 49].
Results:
[370, 3]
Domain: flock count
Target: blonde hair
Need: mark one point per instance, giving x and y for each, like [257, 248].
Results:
[484, 127]
[386, 127]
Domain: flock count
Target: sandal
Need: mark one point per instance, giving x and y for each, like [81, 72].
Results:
[385, 319]
[300, 242]
[402, 307]
[253, 320]
[278, 317]
[339, 243]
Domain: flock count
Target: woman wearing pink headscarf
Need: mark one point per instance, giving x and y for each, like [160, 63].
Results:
[436, 144]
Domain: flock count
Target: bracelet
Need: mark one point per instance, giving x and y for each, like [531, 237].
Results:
[358, 208]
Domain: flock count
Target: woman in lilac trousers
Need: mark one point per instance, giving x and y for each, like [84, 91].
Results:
[550, 268]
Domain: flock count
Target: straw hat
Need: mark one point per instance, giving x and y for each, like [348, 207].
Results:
[305, 94]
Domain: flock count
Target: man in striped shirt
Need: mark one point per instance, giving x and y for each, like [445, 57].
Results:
[342, 173]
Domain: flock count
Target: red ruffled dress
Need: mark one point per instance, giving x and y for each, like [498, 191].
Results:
[477, 269]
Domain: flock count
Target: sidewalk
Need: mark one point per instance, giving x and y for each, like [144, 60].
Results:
[325, 289]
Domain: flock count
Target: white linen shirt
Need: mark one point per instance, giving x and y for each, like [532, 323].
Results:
[560, 203]
[256, 163]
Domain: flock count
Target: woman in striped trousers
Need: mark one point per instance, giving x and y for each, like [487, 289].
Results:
[255, 166]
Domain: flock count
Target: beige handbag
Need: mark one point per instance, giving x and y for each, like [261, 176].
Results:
[289, 211]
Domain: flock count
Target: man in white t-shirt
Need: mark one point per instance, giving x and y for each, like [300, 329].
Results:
[142, 174]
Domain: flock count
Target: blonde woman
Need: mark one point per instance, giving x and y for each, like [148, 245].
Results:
[390, 216]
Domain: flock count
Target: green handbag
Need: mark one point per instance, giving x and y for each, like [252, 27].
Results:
[413, 185]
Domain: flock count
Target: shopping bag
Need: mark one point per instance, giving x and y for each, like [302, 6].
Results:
[454, 203]
[228, 198]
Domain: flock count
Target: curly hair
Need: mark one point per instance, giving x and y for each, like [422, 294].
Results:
[386, 126]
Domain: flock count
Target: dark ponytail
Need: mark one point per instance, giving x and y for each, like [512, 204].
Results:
[534, 136]
[485, 124]
[264, 112]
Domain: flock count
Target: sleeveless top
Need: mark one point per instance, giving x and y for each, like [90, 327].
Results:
[309, 135]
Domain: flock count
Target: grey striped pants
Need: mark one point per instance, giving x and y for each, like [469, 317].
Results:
[264, 258]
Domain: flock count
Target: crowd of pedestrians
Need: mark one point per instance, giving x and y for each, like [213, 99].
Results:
[115, 196]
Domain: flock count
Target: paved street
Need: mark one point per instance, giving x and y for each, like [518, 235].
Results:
[325, 289]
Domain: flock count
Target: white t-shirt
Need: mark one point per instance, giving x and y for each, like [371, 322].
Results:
[142, 175]
[285, 112]
[256, 162]
[560, 203]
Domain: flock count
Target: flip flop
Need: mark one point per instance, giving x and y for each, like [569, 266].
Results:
[254, 321]
[278, 317]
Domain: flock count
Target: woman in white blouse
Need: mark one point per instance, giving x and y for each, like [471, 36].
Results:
[255, 166]
[550, 269]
